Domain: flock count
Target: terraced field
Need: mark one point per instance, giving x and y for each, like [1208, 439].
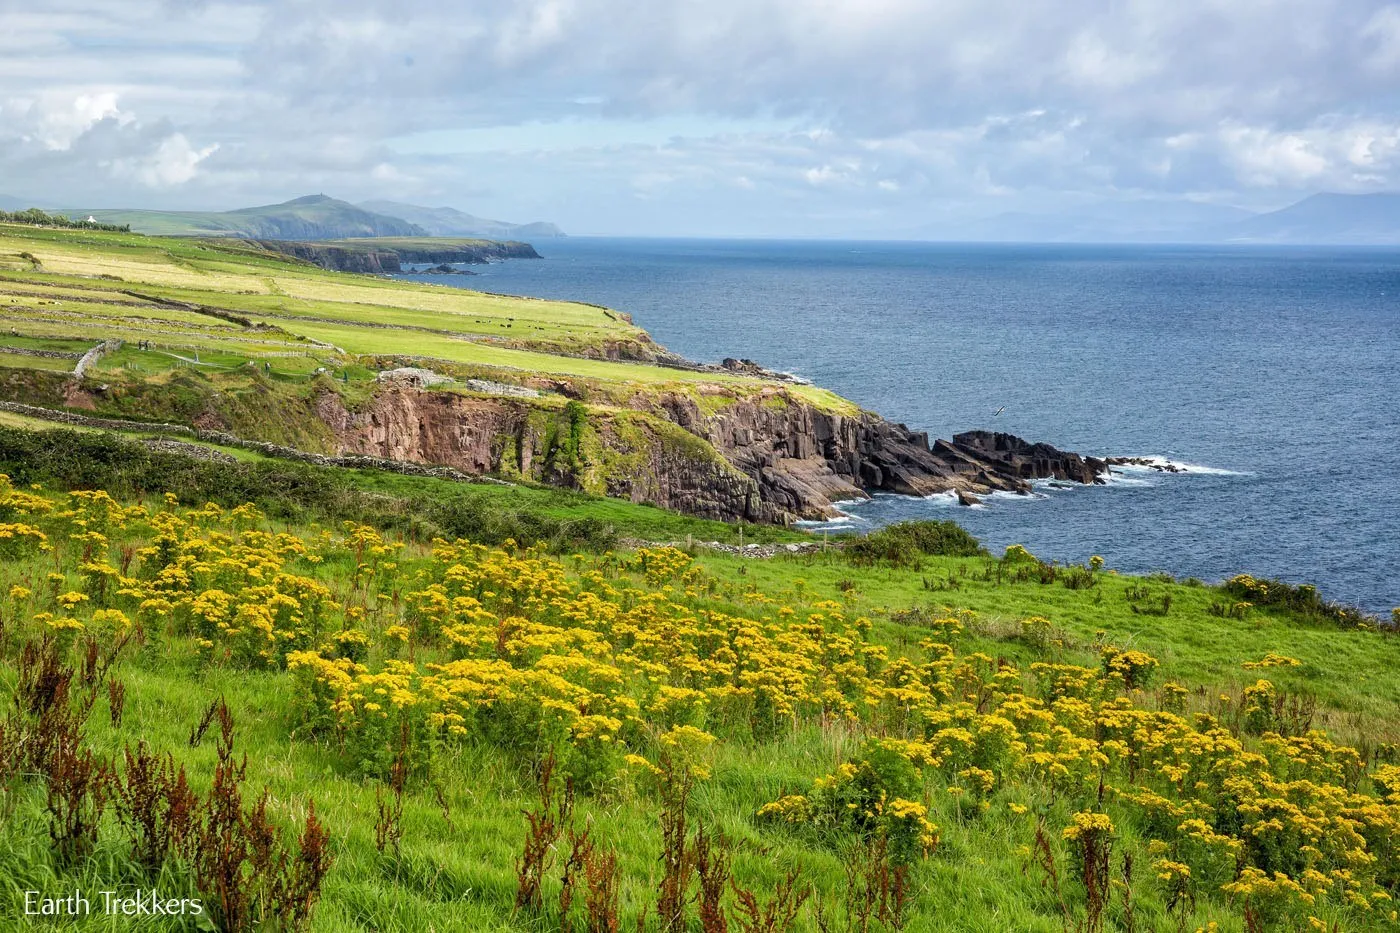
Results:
[222, 306]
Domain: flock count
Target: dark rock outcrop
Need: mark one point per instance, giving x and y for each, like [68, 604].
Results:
[382, 259]
[1160, 466]
[443, 268]
[1026, 460]
[804, 459]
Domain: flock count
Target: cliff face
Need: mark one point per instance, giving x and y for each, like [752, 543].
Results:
[641, 459]
[380, 260]
[768, 459]
[804, 459]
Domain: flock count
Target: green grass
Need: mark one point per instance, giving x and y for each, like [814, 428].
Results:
[22, 361]
[462, 830]
[366, 341]
[1355, 675]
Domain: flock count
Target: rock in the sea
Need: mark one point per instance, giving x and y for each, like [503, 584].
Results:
[1026, 460]
[967, 498]
[445, 269]
[1159, 465]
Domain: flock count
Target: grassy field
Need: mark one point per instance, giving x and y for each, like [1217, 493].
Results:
[61, 284]
[939, 744]
[235, 278]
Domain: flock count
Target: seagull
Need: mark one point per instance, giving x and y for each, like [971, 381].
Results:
[999, 411]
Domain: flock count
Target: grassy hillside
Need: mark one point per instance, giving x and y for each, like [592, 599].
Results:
[948, 743]
[74, 285]
[229, 336]
[314, 217]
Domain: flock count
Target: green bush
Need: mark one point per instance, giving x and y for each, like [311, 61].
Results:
[470, 515]
[38, 218]
[906, 543]
[1303, 599]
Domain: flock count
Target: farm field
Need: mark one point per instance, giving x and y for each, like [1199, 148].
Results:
[224, 307]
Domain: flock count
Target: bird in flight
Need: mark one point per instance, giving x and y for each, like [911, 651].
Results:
[999, 411]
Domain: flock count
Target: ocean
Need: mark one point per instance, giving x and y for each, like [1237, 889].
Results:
[1271, 374]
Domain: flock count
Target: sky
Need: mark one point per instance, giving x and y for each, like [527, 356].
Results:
[722, 117]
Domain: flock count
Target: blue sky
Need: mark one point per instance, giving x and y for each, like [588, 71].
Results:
[728, 117]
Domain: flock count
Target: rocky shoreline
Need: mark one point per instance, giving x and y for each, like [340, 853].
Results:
[379, 259]
[803, 460]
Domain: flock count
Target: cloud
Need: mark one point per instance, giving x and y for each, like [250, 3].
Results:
[1383, 32]
[173, 162]
[761, 114]
[58, 124]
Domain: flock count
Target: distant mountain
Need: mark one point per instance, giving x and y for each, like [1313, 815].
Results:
[1111, 222]
[448, 221]
[315, 217]
[1325, 219]
[8, 203]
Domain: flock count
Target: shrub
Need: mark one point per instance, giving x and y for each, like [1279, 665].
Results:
[1135, 667]
[1302, 598]
[904, 544]
[1090, 839]
[1079, 578]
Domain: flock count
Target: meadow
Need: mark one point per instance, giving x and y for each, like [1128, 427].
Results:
[444, 733]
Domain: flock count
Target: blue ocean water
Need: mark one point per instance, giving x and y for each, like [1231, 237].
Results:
[1275, 371]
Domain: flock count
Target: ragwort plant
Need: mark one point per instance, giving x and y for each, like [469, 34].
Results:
[620, 667]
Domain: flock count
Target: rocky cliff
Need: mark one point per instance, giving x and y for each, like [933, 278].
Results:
[771, 458]
[805, 459]
[377, 259]
[623, 454]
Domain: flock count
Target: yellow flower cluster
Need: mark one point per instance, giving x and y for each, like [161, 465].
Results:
[622, 660]
[1087, 823]
[206, 573]
[1271, 660]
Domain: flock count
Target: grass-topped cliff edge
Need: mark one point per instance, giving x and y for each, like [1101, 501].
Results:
[226, 335]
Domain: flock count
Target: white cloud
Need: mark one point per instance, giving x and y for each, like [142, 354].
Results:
[54, 119]
[174, 162]
[1383, 29]
[545, 107]
[1333, 154]
[1263, 157]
